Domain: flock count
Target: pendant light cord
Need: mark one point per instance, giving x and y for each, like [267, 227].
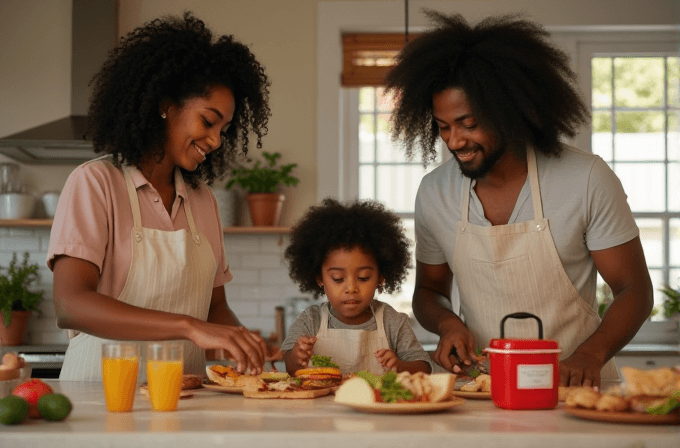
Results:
[406, 22]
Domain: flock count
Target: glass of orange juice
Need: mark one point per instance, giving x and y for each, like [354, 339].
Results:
[164, 367]
[120, 365]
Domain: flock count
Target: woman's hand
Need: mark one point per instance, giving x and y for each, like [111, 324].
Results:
[456, 346]
[245, 347]
[387, 359]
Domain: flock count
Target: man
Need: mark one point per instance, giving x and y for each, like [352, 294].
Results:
[521, 221]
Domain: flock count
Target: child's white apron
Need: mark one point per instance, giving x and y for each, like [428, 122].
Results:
[170, 271]
[352, 350]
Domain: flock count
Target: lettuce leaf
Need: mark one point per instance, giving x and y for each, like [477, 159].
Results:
[322, 361]
[664, 409]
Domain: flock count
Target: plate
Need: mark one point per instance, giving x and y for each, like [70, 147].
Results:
[472, 395]
[224, 389]
[624, 417]
[406, 408]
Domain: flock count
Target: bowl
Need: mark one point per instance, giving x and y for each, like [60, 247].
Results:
[16, 205]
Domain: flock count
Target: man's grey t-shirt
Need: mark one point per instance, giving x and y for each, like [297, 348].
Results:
[400, 335]
[582, 198]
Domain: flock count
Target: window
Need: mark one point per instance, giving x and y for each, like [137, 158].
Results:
[635, 104]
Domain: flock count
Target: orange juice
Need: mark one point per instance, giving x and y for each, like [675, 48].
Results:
[165, 384]
[120, 382]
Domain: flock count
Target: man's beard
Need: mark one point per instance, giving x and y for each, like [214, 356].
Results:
[489, 160]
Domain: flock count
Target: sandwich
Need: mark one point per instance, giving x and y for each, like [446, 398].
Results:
[225, 376]
[289, 387]
[365, 388]
[646, 391]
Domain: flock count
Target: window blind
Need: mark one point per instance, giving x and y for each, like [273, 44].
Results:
[368, 57]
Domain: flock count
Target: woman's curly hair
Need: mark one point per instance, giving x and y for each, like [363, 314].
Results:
[175, 58]
[519, 85]
[333, 225]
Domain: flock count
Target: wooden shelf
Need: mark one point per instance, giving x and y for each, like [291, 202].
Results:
[26, 223]
[256, 230]
[47, 223]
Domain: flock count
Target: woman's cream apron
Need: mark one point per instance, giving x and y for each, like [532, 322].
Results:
[352, 350]
[513, 268]
[169, 271]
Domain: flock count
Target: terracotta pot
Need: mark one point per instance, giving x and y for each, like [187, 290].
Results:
[16, 332]
[265, 208]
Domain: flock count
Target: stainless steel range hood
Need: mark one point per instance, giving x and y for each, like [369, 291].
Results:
[94, 34]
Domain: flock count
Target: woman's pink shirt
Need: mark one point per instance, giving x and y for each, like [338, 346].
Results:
[94, 220]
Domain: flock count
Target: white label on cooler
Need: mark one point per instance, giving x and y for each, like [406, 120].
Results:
[535, 376]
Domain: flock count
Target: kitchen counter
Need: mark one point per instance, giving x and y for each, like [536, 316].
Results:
[212, 419]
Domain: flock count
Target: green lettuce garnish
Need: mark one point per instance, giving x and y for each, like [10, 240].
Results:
[391, 391]
[322, 361]
[664, 409]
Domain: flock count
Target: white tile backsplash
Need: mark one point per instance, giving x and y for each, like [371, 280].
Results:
[260, 283]
[260, 280]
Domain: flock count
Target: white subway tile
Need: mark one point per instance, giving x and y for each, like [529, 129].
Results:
[234, 261]
[243, 308]
[275, 277]
[261, 293]
[19, 244]
[268, 309]
[265, 325]
[41, 324]
[241, 243]
[48, 338]
[274, 243]
[262, 261]
[19, 232]
[245, 277]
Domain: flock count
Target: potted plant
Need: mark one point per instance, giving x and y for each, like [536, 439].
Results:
[671, 306]
[16, 299]
[261, 182]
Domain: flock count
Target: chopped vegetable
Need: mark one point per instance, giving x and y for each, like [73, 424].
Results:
[664, 409]
[322, 361]
[391, 391]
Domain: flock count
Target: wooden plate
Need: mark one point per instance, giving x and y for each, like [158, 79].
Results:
[274, 394]
[472, 395]
[624, 417]
[224, 389]
[406, 408]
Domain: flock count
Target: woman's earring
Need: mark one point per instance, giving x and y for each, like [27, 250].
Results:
[163, 116]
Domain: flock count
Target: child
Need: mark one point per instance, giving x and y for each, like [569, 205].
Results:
[347, 251]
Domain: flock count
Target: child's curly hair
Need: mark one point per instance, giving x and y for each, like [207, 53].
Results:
[361, 223]
[175, 58]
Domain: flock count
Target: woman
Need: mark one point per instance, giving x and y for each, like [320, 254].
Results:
[137, 247]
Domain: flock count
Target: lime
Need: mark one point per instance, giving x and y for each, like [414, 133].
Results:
[13, 410]
[54, 406]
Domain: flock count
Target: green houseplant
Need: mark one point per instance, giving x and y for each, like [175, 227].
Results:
[16, 298]
[261, 182]
[671, 305]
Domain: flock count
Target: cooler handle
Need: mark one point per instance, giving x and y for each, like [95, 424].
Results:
[522, 316]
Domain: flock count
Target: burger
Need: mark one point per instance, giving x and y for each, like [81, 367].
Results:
[320, 377]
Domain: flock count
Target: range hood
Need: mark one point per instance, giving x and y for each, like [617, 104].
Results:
[94, 34]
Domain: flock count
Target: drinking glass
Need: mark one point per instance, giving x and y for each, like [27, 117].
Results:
[164, 368]
[120, 365]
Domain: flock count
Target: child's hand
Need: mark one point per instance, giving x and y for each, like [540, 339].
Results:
[387, 358]
[303, 350]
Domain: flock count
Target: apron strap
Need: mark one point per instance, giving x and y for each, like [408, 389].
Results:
[466, 199]
[134, 203]
[179, 180]
[533, 179]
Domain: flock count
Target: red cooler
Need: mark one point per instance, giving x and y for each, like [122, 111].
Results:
[524, 373]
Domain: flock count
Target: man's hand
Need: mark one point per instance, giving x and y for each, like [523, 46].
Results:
[456, 346]
[388, 359]
[245, 347]
[580, 369]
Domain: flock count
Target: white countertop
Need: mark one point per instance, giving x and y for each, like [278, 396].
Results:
[212, 419]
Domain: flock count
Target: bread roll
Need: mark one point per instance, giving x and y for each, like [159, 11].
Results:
[355, 391]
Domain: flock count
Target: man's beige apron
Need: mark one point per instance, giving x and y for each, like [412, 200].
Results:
[169, 271]
[513, 268]
[352, 350]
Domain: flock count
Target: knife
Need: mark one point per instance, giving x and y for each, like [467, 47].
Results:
[473, 370]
